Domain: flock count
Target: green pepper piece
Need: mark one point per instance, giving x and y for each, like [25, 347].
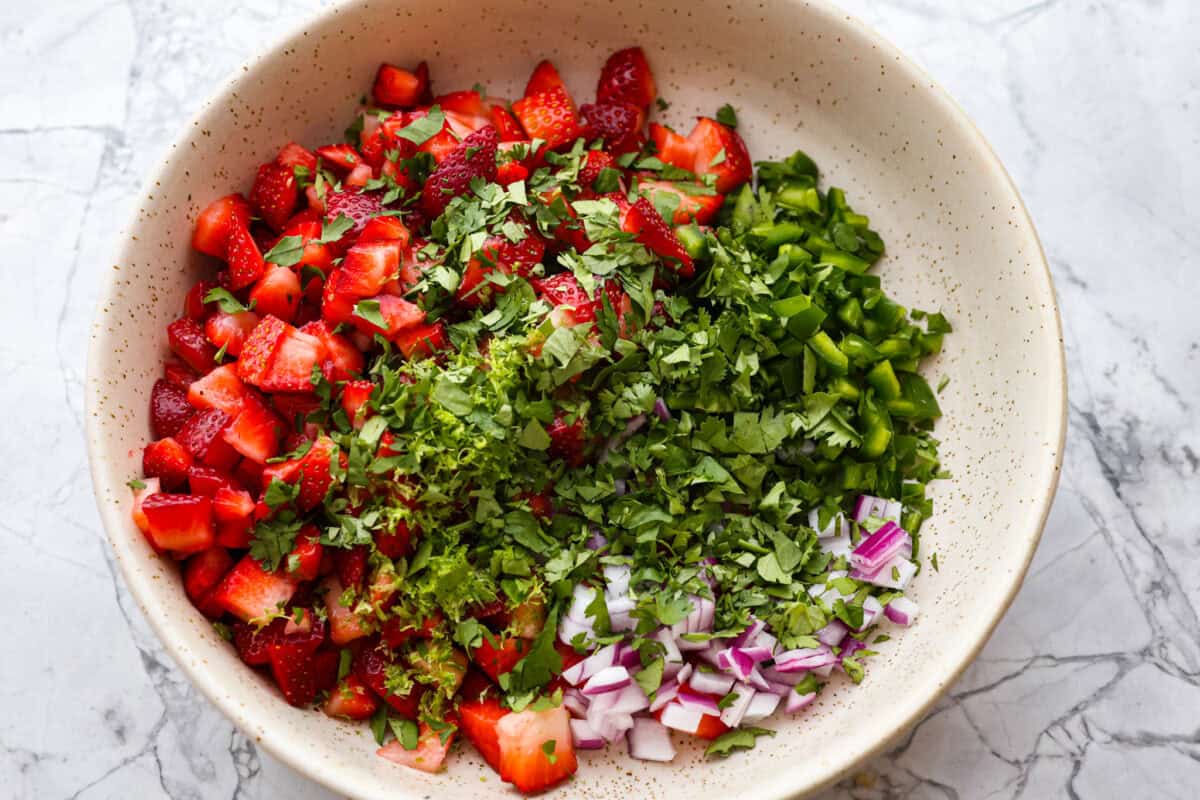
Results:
[693, 240]
[828, 352]
[859, 350]
[883, 378]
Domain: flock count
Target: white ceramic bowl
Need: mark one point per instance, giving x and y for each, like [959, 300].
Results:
[801, 75]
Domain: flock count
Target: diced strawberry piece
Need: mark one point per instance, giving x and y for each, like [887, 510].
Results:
[507, 126]
[233, 510]
[304, 562]
[216, 221]
[422, 341]
[400, 629]
[672, 148]
[474, 157]
[510, 172]
[477, 720]
[179, 522]
[441, 145]
[253, 644]
[246, 263]
[275, 194]
[463, 125]
[201, 435]
[398, 87]
[693, 205]
[206, 481]
[343, 360]
[315, 475]
[396, 542]
[370, 665]
[294, 155]
[523, 761]
[465, 101]
[618, 124]
[429, 754]
[277, 293]
[178, 375]
[564, 290]
[354, 398]
[368, 266]
[296, 667]
[169, 409]
[201, 574]
[255, 431]
[351, 699]
[648, 227]
[230, 330]
[351, 565]
[250, 592]
[167, 460]
[194, 306]
[549, 116]
[545, 78]
[259, 349]
[499, 254]
[221, 388]
[187, 340]
[720, 151]
[497, 655]
[151, 488]
[597, 160]
[278, 358]
[384, 229]
[360, 207]
[359, 177]
[626, 78]
[568, 439]
[342, 157]
[344, 625]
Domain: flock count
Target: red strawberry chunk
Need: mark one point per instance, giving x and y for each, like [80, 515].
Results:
[367, 267]
[315, 474]
[278, 358]
[477, 720]
[672, 148]
[216, 221]
[246, 263]
[385, 229]
[351, 565]
[221, 388]
[370, 665]
[474, 157]
[277, 293]
[429, 754]
[399, 87]
[342, 157]
[201, 574]
[618, 124]
[545, 78]
[360, 207]
[422, 341]
[304, 562]
[626, 78]
[259, 349]
[299, 670]
[720, 151]
[355, 395]
[188, 342]
[344, 625]
[253, 644]
[441, 145]
[568, 438]
[695, 205]
[250, 592]
[400, 629]
[497, 655]
[169, 409]
[275, 194]
[549, 116]
[255, 430]
[230, 330]
[179, 522]
[343, 360]
[647, 225]
[523, 761]
[499, 254]
[140, 496]
[201, 435]
[294, 155]
[194, 306]
[506, 125]
[233, 510]
[178, 375]
[206, 481]
[167, 460]
[351, 699]
[510, 172]
[597, 160]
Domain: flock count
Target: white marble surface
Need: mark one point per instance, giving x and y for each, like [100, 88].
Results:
[1089, 688]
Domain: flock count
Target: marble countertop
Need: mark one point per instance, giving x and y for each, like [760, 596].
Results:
[1089, 688]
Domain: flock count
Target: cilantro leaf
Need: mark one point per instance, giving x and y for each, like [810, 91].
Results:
[736, 739]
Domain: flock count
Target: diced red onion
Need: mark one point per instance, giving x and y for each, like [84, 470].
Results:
[837, 546]
[609, 679]
[768, 641]
[867, 506]
[891, 510]
[649, 740]
[741, 661]
[619, 487]
[894, 574]
[619, 604]
[749, 635]
[880, 547]
[837, 526]
[622, 621]
[660, 408]
[581, 597]
[872, 610]
[585, 736]
[574, 702]
[370, 124]
[773, 675]
[671, 669]
[833, 633]
[671, 652]
[627, 656]
[631, 427]
[805, 658]
[630, 699]
[901, 611]
[699, 702]
[781, 689]
[684, 673]
[732, 714]
[710, 652]
[710, 682]
[609, 726]
[665, 694]
[596, 539]
[762, 706]
[796, 702]
[569, 628]
[591, 665]
[616, 579]
[849, 648]
[680, 718]
[823, 672]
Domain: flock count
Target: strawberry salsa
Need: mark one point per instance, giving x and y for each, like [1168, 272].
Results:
[526, 423]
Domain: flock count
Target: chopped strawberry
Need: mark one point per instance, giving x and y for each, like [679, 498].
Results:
[221, 388]
[497, 655]
[201, 574]
[399, 87]
[246, 263]
[359, 177]
[690, 203]
[179, 522]
[429, 754]
[341, 157]
[275, 194]
[441, 145]
[277, 293]
[167, 460]
[510, 172]
[367, 267]
[343, 360]
[315, 473]
[720, 151]
[178, 375]
[395, 542]
[228, 331]
[370, 665]
[293, 155]
[344, 625]
[618, 124]
[400, 629]
[626, 78]
[568, 439]
[253, 644]
[506, 125]
[385, 229]
[359, 207]
[187, 340]
[291, 406]
[475, 157]
[545, 78]
[216, 221]
[523, 738]
[279, 358]
[499, 254]
[597, 160]
[206, 481]
[351, 699]
[169, 409]
[422, 341]
[304, 562]
[140, 496]
[233, 510]
[194, 306]
[250, 592]
[549, 116]
[672, 148]
[477, 719]
[255, 430]
[201, 435]
[299, 669]
[647, 225]
[351, 565]
[354, 400]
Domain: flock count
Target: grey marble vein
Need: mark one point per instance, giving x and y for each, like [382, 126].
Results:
[1094, 105]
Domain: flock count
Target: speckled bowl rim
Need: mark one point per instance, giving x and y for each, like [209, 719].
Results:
[274, 742]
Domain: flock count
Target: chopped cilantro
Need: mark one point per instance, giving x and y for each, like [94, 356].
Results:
[736, 739]
[727, 116]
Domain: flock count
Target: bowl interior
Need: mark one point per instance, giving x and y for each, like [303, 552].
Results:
[801, 76]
